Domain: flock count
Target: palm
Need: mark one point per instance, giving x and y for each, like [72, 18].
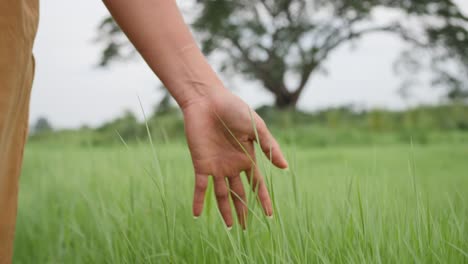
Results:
[220, 136]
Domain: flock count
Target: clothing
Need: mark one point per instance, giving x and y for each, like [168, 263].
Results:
[18, 26]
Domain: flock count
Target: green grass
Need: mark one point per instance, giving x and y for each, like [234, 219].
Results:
[392, 204]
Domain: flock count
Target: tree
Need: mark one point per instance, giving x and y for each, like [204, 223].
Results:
[42, 125]
[269, 40]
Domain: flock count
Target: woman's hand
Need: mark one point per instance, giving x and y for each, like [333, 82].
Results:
[218, 125]
[220, 135]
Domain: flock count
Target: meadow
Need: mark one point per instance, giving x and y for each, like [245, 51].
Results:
[396, 203]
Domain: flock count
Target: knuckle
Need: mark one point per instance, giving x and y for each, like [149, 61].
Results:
[200, 186]
[246, 161]
[221, 195]
[263, 196]
[266, 146]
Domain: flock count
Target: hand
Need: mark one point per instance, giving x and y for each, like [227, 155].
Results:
[220, 136]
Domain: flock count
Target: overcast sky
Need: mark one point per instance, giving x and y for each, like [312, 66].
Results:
[70, 90]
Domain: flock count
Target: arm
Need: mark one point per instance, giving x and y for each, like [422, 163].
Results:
[218, 124]
[156, 28]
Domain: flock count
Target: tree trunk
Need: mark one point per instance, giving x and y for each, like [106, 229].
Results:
[285, 101]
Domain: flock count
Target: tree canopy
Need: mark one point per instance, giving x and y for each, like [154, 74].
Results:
[42, 125]
[269, 40]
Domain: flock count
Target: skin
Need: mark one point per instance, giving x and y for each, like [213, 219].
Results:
[216, 127]
[219, 126]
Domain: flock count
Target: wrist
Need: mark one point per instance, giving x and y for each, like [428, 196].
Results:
[199, 95]
[196, 80]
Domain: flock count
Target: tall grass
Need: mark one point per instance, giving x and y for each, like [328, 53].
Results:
[395, 204]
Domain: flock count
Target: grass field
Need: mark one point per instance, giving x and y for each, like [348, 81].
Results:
[392, 204]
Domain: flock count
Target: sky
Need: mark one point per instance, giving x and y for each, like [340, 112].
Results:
[70, 90]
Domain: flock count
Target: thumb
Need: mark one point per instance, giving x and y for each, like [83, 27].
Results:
[270, 146]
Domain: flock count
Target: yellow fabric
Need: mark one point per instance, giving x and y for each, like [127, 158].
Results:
[18, 26]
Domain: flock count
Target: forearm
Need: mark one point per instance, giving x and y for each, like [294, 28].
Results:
[157, 30]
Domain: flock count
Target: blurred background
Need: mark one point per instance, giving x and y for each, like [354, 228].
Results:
[334, 72]
[368, 98]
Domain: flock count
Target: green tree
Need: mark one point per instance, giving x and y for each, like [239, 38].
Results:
[269, 40]
[42, 125]
[126, 126]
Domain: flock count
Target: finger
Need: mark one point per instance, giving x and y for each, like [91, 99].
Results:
[222, 196]
[270, 146]
[239, 199]
[201, 182]
[259, 186]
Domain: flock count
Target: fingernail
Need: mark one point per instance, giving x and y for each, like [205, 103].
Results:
[270, 216]
[228, 228]
[286, 169]
[195, 217]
